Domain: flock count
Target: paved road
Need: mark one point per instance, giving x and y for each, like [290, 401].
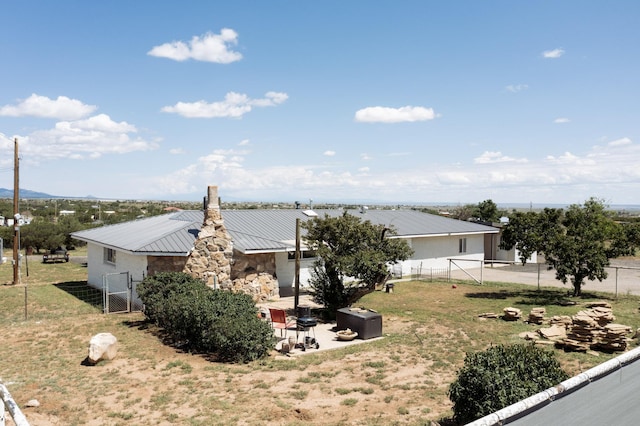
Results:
[624, 277]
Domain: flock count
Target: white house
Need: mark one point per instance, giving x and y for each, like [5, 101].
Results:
[162, 243]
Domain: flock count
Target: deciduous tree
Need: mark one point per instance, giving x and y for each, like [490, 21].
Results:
[578, 243]
[353, 258]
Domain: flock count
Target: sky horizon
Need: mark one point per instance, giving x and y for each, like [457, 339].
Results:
[412, 101]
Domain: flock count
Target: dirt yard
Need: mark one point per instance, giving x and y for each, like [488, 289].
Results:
[399, 380]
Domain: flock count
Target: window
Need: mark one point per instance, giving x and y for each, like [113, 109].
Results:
[304, 254]
[110, 256]
[462, 245]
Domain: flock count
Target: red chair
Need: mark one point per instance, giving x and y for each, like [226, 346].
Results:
[279, 320]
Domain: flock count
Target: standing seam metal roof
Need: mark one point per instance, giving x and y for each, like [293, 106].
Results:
[258, 230]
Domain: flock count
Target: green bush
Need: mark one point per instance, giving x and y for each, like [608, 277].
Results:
[201, 319]
[501, 376]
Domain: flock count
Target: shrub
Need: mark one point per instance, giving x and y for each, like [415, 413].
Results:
[205, 320]
[501, 376]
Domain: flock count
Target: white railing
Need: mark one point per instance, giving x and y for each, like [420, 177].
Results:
[7, 402]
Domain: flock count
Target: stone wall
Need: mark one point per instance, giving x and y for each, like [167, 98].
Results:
[157, 264]
[255, 275]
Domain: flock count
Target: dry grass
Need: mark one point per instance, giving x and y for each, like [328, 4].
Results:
[402, 379]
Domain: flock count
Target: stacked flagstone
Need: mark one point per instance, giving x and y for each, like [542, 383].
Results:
[488, 315]
[563, 320]
[613, 337]
[536, 316]
[512, 314]
[581, 334]
[588, 329]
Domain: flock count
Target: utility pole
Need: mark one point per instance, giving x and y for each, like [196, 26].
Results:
[16, 214]
[296, 297]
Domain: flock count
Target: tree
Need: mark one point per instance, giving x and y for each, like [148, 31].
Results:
[487, 211]
[501, 376]
[350, 249]
[590, 239]
[529, 231]
[578, 243]
[464, 212]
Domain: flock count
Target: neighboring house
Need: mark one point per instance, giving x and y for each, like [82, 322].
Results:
[162, 243]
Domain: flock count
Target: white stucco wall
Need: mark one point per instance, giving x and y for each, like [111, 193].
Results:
[429, 252]
[125, 262]
[435, 252]
[286, 269]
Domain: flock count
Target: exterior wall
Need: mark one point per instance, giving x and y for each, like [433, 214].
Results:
[435, 252]
[157, 264]
[125, 262]
[286, 270]
[429, 252]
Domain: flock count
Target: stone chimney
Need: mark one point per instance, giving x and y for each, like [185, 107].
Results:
[211, 257]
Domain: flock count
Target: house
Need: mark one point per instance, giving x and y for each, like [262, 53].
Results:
[263, 243]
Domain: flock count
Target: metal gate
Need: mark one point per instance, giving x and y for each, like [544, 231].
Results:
[119, 293]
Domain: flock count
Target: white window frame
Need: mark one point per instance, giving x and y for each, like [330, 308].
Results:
[109, 256]
[462, 245]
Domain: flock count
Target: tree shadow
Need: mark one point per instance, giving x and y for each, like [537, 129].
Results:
[82, 291]
[558, 297]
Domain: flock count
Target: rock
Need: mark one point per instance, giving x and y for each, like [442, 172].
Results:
[32, 403]
[102, 346]
[555, 332]
[512, 314]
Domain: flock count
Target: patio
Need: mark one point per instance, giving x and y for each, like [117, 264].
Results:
[324, 332]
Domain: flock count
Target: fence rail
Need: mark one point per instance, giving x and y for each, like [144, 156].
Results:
[8, 402]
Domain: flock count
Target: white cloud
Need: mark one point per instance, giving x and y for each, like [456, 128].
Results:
[329, 153]
[62, 108]
[380, 114]
[365, 157]
[620, 142]
[489, 157]
[553, 54]
[90, 138]
[176, 151]
[235, 105]
[208, 48]
[243, 142]
[515, 88]
[556, 178]
[570, 159]
[561, 120]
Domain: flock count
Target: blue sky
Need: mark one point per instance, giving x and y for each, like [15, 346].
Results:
[376, 101]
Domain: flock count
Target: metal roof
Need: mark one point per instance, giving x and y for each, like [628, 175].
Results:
[172, 233]
[259, 230]
[275, 230]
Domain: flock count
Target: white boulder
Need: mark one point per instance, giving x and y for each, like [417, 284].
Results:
[102, 346]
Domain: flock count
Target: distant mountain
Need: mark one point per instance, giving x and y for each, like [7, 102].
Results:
[25, 193]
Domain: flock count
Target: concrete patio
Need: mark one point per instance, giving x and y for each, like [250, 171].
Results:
[324, 332]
